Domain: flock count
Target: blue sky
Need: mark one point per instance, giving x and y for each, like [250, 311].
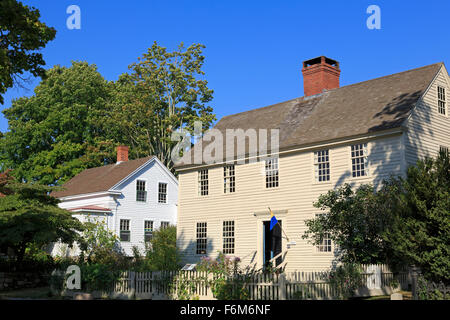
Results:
[254, 49]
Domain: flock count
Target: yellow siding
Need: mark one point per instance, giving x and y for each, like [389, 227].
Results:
[296, 193]
[427, 129]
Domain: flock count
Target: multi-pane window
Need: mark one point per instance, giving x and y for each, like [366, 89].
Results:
[271, 168]
[148, 230]
[441, 100]
[228, 237]
[325, 244]
[322, 165]
[203, 182]
[164, 224]
[201, 238]
[228, 179]
[162, 192]
[141, 194]
[124, 230]
[359, 160]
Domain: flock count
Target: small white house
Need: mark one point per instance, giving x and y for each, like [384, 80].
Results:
[132, 197]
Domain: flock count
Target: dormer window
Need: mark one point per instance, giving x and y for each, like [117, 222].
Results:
[441, 100]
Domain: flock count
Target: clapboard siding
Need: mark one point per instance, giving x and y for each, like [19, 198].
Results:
[427, 129]
[296, 193]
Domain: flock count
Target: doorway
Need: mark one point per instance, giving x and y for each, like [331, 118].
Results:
[271, 242]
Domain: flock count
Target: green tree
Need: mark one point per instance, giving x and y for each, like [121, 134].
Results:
[165, 91]
[163, 253]
[353, 220]
[29, 216]
[420, 231]
[59, 131]
[21, 35]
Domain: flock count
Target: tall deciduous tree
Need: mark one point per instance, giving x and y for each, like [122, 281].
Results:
[59, 131]
[163, 92]
[21, 35]
[29, 216]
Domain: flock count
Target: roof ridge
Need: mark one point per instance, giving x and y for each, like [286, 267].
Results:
[320, 94]
[389, 75]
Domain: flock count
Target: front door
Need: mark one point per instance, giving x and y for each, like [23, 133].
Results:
[271, 242]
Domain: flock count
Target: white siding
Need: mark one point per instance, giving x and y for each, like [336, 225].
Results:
[296, 193]
[125, 206]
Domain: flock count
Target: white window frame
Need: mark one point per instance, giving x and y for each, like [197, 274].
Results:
[203, 182]
[201, 237]
[321, 165]
[326, 246]
[148, 230]
[359, 156]
[145, 190]
[127, 231]
[228, 236]
[229, 178]
[164, 224]
[442, 101]
[272, 172]
[166, 195]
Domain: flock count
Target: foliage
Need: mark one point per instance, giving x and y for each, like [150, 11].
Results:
[99, 276]
[427, 290]
[346, 279]
[163, 253]
[59, 131]
[22, 34]
[28, 215]
[163, 92]
[100, 246]
[228, 280]
[354, 221]
[420, 232]
[405, 222]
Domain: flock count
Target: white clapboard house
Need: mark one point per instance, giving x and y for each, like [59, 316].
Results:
[132, 197]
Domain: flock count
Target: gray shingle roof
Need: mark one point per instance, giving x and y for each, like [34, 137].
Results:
[357, 109]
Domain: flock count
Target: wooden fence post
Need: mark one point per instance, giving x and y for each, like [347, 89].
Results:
[414, 278]
[282, 287]
[132, 277]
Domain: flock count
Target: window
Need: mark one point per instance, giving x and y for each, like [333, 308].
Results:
[201, 238]
[203, 182]
[162, 192]
[228, 179]
[359, 160]
[441, 100]
[322, 165]
[141, 194]
[164, 224]
[228, 237]
[271, 173]
[325, 245]
[148, 230]
[124, 230]
[443, 149]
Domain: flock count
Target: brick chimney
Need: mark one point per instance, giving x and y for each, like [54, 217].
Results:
[320, 74]
[122, 154]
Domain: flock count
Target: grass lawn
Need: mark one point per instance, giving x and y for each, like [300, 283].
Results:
[42, 293]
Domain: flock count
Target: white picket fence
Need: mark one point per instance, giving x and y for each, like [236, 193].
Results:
[378, 280]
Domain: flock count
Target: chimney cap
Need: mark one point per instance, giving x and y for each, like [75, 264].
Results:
[320, 60]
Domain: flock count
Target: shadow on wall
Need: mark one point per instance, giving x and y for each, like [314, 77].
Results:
[385, 159]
